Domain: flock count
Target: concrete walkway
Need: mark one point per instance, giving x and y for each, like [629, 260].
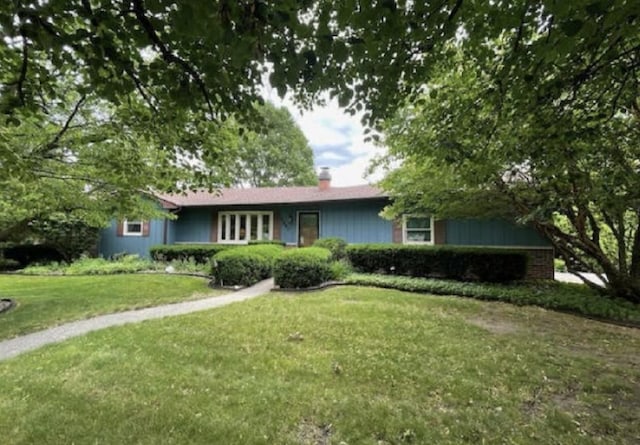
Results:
[571, 278]
[19, 345]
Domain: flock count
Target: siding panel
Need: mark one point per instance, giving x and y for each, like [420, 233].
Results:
[491, 232]
[193, 225]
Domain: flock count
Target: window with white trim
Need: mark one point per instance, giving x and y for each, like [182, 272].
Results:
[417, 229]
[132, 228]
[242, 227]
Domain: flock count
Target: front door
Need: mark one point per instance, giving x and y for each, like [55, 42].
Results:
[308, 228]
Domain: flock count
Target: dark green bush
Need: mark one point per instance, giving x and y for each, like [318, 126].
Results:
[337, 246]
[245, 265]
[268, 251]
[26, 254]
[259, 242]
[302, 268]
[8, 264]
[231, 268]
[567, 297]
[201, 253]
[492, 265]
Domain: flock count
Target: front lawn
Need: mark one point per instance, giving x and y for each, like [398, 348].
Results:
[343, 366]
[47, 301]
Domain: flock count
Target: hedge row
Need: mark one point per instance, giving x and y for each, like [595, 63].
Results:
[566, 297]
[245, 265]
[302, 268]
[455, 263]
[201, 253]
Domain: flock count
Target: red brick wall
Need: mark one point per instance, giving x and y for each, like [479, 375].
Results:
[440, 231]
[540, 263]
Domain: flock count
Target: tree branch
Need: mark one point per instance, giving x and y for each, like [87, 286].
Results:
[54, 142]
[169, 57]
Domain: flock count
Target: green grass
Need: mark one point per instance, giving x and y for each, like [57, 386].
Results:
[47, 301]
[349, 365]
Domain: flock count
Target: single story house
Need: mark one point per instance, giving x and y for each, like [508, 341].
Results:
[300, 215]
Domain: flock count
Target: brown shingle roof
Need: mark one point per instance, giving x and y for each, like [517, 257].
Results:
[273, 195]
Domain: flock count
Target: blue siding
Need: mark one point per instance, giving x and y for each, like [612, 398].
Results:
[491, 232]
[111, 244]
[194, 225]
[171, 231]
[355, 222]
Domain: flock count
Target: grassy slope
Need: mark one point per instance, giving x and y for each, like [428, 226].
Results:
[48, 301]
[374, 367]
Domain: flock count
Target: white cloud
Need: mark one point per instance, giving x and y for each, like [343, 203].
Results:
[330, 126]
[331, 156]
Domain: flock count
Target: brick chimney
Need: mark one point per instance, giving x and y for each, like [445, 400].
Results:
[324, 179]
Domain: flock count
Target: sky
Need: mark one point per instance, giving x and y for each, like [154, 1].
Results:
[337, 140]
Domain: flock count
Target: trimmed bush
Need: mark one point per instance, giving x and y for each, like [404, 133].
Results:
[201, 253]
[245, 265]
[337, 246]
[302, 268]
[490, 265]
[259, 242]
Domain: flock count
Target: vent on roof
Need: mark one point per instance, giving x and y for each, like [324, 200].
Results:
[324, 178]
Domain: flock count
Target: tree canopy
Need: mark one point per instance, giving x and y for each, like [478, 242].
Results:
[371, 55]
[272, 152]
[569, 168]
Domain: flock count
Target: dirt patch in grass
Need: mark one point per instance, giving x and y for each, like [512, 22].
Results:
[494, 324]
[310, 433]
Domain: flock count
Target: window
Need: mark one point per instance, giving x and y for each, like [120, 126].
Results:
[242, 227]
[132, 228]
[417, 229]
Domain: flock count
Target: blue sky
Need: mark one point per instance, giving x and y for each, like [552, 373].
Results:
[337, 140]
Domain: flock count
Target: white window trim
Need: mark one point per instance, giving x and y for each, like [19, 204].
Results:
[227, 215]
[125, 227]
[404, 230]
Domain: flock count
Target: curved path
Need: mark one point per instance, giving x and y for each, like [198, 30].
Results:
[19, 345]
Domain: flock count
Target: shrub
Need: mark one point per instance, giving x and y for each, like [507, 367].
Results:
[341, 269]
[26, 254]
[302, 268]
[456, 263]
[337, 246]
[8, 264]
[101, 266]
[237, 268]
[268, 251]
[45, 269]
[576, 298]
[200, 253]
[275, 242]
[69, 235]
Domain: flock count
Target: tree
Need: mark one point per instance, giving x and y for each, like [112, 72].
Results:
[569, 168]
[98, 161]
[275, 153]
